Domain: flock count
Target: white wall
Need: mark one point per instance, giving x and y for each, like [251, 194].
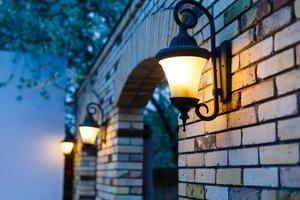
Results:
[31, 164]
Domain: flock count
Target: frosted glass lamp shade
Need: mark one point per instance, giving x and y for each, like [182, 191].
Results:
[66, 147]
[88, 134]
[183, 74]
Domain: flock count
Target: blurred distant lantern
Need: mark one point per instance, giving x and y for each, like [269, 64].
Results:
[183, 62]
[67, 144]
[90, 129]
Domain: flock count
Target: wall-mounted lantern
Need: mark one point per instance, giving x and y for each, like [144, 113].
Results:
[90, 129]
[67, 144]
[183, 62]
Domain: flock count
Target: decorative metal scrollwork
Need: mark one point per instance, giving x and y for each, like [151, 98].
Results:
[92, 109]
[191, 11]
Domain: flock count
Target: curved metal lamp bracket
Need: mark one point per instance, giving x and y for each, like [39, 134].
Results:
[92, 109]
[221, 70]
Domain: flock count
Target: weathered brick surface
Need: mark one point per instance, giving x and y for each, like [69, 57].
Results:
[229, 139]
[297, 8]
[243, 78]
[194, 160]
[258, 92]
[193, 130]
[195, 191]
[285, 154]
[205, 143]
[274, 22]
[248, 156]
[181, 160]
[216, 193]
[287, 36]
[288, 82]
[207, 3]
[243, 194]
[182, 189]
[276, 64]
[227, 33]
[268, 195]
[279, 3]
[256, 13]
[219, 22]
[186, 175]
[220, 123]
[261, 177]
[186, 145]
[235, 63]
[258, 51]
[290, 177]
[298, 54]
[242, 41]
[281, 107]
[205, 176]
[236, 9]
[221, 5]
[259, 134]
[217, 158]
[243, 117]
[291, 195]
[254, 141]
[230, 176]
[289, 129]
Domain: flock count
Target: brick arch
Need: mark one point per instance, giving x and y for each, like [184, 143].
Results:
[138, 51]
[140, 84]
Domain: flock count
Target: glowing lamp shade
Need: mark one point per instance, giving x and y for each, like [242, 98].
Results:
[183, 62]
[88, 134]
[183, 74]
[67, 144]
[66, 147]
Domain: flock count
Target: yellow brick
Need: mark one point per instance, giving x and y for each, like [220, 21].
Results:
[235, 63]
[243, 78]
[220, 123]
[258, 92]
[257, 52]
[242, 117]
[288, 82]
[281, 107]
[289, 129]
[276, 64]
[232, 176]
[279, 154]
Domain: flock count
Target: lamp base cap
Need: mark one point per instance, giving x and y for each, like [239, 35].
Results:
[183, 105]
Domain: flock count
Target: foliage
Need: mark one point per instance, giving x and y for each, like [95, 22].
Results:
[163, 128]
[38, 72]
[72, 28]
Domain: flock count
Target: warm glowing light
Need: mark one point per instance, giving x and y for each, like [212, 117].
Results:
[183, 74]
[66, 147]
[88, 134]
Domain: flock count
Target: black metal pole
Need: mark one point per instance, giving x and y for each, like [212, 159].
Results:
[68, 177]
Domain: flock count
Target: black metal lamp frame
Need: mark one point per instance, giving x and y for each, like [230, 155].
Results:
[92, 109]
[185, 45]
[68, 168]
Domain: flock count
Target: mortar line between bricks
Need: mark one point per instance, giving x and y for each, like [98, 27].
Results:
[244, 186]
[240, 127]
[288, 142]
[256, 39]
[273, 76]
[245, 126]
[239, 166]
